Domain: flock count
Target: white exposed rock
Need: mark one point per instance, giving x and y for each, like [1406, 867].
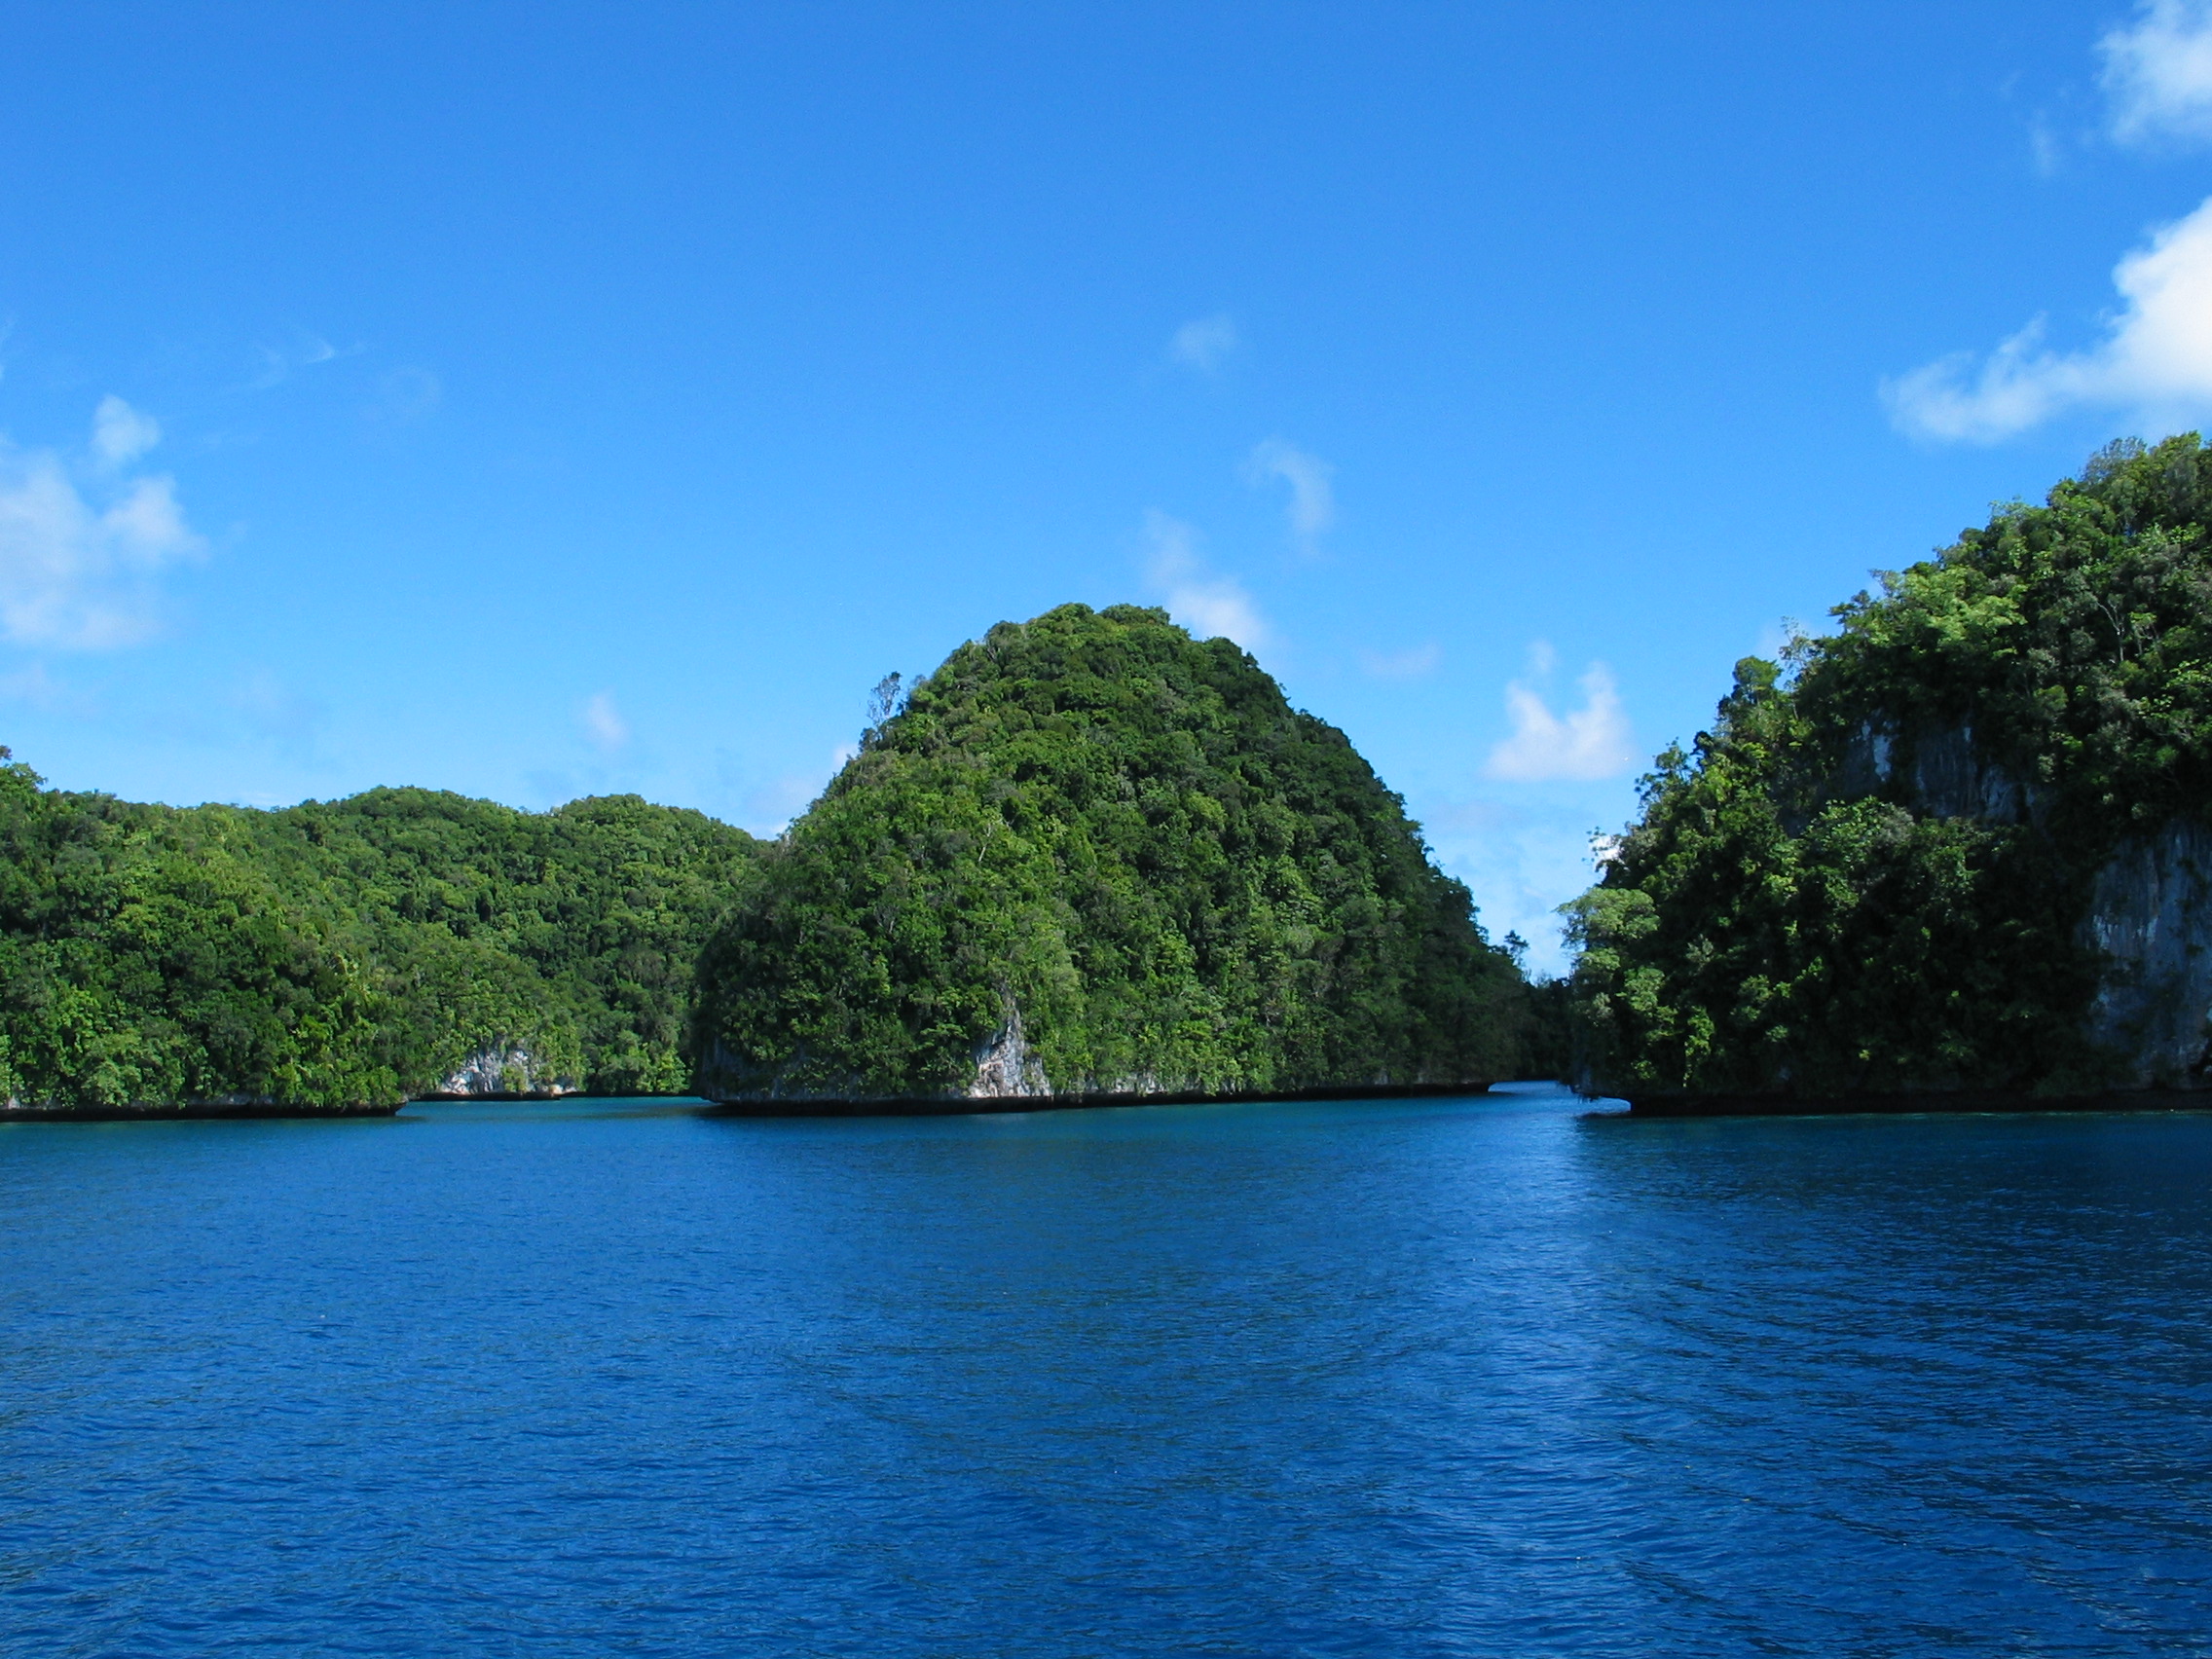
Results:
[501, 1069]
[1005, 1067]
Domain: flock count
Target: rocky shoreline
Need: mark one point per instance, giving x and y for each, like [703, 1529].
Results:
[963, 1105]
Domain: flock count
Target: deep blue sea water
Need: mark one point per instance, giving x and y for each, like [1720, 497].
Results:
[1481, 1377]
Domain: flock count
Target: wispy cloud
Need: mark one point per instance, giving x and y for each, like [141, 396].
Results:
[280, 713]
[121, 434]
[1204, 602]
[304, 352]
[767, 809]
[79, 573]
[1203, 343]
[602, 723]
[1409, 664]
[1588, 742]
[2157, 72]
[1312, 506]
[405, 394]
[36, 685]
[2156, 356]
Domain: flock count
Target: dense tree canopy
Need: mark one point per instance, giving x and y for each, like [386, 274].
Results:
[1127, 843]
[1871, 875]
[346, 951]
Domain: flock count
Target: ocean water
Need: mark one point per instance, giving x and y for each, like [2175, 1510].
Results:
[1478, 1377]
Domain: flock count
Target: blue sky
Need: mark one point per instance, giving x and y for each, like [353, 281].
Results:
[541, 400]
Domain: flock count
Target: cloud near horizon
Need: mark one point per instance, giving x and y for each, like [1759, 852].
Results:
[1582, 745]
[1207, 603]
[76, 575]
[604, 723]
[2155, 358]
[1409, 664]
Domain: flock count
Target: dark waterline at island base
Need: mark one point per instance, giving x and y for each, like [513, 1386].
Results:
[948, 1106]
[960, 1106]
[1920, 1103]
[970, 1105]
[195, 1111]
[190, 1112]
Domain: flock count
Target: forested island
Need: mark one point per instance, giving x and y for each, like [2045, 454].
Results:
[1090, 856]
[1957, 853]
[346, 955]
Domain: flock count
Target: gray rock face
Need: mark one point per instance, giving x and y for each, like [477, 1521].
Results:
[1005, 1067]
[2151, 912]
[2150, 907]
[1944, 774]
[502, 1069]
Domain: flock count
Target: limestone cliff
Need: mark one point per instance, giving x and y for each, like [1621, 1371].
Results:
[502, 1069]
[2151, 918]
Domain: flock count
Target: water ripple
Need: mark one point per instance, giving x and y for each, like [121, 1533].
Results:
[1452, 1378]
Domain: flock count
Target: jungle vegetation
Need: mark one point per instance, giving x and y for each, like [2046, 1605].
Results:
[1127, 845]
[349, 951]
[1797, 909]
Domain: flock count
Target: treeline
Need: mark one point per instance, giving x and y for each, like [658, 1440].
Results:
[1090, 853]
[350, 951]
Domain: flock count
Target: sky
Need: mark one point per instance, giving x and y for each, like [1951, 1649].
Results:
[546, 400]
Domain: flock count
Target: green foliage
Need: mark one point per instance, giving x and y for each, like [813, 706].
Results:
[349, 951]
[1129, 841]
[1793, 914]
[142, 959]
[570, 934]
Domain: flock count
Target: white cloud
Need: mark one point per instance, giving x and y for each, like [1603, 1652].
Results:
[121, 434]
[1522, 859]
[80, 574]
[604, 723]
[1203, 343]
[1312, 499]
[2155, 358]
[1588, 742]
[36, 686]
[2158, 72]
[1207, 603]
[405, 394]
[305, 352]
[1409, 664]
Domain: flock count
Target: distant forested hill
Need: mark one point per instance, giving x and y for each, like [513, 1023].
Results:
[1965, 842]
[1091, 853]
[348, 951]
